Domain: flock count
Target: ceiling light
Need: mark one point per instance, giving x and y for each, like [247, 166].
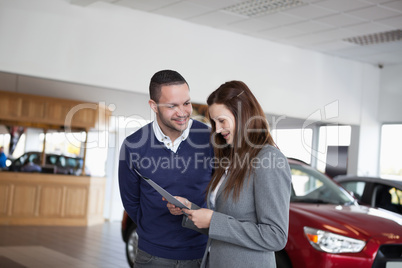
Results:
[254, 8]
[376, 38]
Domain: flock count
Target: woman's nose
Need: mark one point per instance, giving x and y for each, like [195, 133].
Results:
[218, 128]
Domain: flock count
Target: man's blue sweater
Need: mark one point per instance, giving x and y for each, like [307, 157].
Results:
[185, 173]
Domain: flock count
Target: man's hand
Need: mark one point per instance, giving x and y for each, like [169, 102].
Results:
[176, 210]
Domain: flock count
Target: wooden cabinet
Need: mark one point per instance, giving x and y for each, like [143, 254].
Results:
[26, 109]
[10, 108]
[48, 199]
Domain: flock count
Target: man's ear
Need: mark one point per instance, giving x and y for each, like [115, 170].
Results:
[153, 105]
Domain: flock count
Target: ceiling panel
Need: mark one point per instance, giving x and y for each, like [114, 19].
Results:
[393, 5]
[368, 28]
[342, 5]
[279, 19]
[311, 26]
[395, 22]
[215, 4]
[340, 20]
[281, 32]
[374, 13]
[377, 1]
[310, 12]
[389, 47]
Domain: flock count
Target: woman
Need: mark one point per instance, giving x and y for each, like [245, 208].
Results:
[248, 195]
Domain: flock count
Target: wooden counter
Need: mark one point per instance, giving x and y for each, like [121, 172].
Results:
[50, 199]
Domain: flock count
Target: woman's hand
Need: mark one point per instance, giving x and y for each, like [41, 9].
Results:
[200, 217]
[176, 210]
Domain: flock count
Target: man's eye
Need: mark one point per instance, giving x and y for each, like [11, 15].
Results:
[187, 103]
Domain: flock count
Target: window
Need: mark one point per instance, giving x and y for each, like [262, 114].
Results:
[294, 143]
[51, 159]
[391, 146]
[34, 158]
[311, 186]
[388, 198]
[61, 161]
[357, 188]
[303, 183]
[63, 143]
[396, 196]
[4, 139]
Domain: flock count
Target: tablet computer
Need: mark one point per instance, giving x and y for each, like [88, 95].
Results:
[170, 198]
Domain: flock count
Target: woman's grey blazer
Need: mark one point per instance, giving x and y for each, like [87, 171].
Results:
[246, 233]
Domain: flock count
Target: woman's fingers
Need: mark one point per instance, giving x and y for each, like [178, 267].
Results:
[201, 217]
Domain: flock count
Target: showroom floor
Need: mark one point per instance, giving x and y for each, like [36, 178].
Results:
[98, 246]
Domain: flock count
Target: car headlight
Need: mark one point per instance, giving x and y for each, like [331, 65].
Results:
[332, 243]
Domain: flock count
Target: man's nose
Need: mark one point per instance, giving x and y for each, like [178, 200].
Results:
[180, 110]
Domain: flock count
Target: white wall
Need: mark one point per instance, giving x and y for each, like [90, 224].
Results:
[390, 105]
[369, 139]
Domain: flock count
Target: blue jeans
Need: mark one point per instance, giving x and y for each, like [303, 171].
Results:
[145, 260]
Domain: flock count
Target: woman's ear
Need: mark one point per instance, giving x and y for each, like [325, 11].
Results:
[153, 105]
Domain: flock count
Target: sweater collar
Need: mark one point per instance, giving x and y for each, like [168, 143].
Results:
[172, 145]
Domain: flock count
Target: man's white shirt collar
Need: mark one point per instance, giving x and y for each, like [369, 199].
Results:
[160, 136]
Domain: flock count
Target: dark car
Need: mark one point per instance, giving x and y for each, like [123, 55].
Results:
[374, 191]
[55, 163]
[327, 227]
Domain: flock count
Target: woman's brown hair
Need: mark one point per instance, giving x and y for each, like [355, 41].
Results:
[251, 134]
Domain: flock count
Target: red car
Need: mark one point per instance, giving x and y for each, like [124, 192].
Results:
[327, 228]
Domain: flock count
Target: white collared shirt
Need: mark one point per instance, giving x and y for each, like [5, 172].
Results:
[212, 196]
[173, 146]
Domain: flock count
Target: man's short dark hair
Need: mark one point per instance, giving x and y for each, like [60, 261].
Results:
[164, 78]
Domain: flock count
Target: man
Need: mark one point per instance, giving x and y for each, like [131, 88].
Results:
[174, 151]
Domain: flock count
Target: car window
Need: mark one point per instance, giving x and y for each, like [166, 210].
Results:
[304, 183]
[72, 162]
[356, 187]
[388, 198]
[21, 160]
[61, 161]
[34, 158]
[396, 196]
[311, 186]
[51, 159]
